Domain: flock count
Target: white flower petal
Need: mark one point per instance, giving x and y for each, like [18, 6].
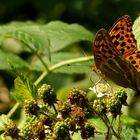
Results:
[100, 95]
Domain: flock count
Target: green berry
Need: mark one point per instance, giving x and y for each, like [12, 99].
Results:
[31, 107]
[87, 131]
[11, 130]
[46, 93]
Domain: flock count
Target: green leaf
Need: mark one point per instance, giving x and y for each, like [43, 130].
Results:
[129, 121]
[76, 136]
[33, 37]
[128, 134]
[8, 59]
[136, 30]
[76, 67]
[62, 34]
[98, 124]
[24, 89]
[56, 34]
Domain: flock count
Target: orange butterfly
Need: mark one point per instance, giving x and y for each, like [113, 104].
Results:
[116, 55]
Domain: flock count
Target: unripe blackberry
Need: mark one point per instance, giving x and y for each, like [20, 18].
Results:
[99, 106]
[72, 124]
[26, 131]
[116, 101]
[38, 130]
[78, 97]
[11, 130]
[121, 95]
[115, 106]
[87, 131]
[46, 120]
[78, 115]
[65, 109]
[61, 130]
[31, 107]
[46, 93]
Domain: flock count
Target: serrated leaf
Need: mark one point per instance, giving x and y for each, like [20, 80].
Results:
[24, 89]
[62, 34]
[79, 67]
[8, 59]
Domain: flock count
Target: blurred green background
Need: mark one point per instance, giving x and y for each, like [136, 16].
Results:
[93, 14]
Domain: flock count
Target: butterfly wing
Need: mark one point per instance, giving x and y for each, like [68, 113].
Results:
[120, 72]
[122, 36]
[103, 48]
[134, 59]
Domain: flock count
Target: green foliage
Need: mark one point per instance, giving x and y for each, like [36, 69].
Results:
[128, 134]
[98, 124]
[62, 34]
[9, 59]
[136, 31]
[24, 89]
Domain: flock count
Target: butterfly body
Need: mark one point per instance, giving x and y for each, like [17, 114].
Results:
[116, 55]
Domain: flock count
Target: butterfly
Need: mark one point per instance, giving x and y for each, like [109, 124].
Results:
[116, 54]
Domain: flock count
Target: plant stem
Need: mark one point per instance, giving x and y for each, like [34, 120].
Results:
[54, 108]
[113, 131]
[42, 61]
[10, 113]
[58, 65]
